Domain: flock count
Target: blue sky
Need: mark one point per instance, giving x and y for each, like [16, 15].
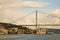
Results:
[49, 4]
[53, 4]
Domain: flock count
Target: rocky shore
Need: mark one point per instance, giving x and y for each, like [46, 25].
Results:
[7, 28]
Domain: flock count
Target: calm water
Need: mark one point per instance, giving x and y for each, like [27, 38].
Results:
[30, 37]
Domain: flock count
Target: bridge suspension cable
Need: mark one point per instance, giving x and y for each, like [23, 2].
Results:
[23, 17]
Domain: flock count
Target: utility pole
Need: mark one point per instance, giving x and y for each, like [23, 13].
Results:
[36, 20]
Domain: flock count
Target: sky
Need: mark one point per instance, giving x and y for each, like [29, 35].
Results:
[13, 11]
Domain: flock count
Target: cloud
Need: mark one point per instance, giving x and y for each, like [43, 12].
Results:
[10, 3]
[9, 15]
[20, 4]
[34, 4]
[53, 17]
[56, 12]
[44, 17]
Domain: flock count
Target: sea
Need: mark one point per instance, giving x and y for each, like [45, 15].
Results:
[30, 37]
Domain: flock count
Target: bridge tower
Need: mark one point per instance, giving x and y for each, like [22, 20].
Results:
[36, 20]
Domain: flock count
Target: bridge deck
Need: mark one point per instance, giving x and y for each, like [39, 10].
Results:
[43, 25]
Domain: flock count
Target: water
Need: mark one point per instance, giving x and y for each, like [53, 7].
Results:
[29, 37]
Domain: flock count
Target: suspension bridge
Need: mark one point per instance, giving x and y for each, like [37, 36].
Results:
[36, 20]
